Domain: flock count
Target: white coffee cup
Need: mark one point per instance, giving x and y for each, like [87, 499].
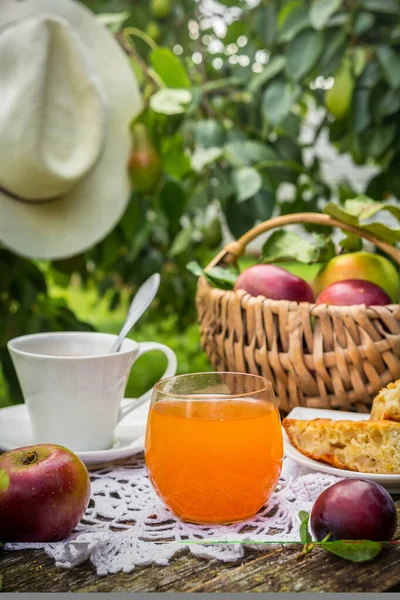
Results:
[73, 387]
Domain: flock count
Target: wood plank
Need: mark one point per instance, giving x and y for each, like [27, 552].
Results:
[33, 571]
[275, 570]
[318, 572]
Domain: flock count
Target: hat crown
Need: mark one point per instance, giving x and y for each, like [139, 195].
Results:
[52, 116]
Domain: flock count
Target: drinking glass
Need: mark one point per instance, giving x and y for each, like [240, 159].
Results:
[214, 445]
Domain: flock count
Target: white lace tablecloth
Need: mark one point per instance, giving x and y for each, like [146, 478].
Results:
[126, 524]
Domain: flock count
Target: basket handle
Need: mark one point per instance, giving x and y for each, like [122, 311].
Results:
[237, 248]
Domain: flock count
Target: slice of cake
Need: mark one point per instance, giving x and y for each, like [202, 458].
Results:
[386, 404]
[365, 446]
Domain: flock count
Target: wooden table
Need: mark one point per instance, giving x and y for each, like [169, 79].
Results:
[275, 570]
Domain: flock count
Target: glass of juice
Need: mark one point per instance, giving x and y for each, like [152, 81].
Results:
[214, 445]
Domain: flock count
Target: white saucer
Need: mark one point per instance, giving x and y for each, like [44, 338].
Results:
[15, 432]
[390, 482]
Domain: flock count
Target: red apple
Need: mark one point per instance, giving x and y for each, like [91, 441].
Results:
[44, 491]
[275, 283]
[353, 291]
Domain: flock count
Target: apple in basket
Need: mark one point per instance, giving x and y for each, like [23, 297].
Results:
[44, 491]
[353, 291]
[275, 283]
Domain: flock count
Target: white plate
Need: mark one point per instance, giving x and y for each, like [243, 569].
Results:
[15, 432]
[390, 482]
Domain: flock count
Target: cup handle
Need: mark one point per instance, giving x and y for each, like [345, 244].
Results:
[169, 372]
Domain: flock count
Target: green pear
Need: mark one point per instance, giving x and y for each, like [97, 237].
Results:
[338, 98]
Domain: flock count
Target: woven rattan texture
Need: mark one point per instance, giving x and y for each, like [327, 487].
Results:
[317, 356]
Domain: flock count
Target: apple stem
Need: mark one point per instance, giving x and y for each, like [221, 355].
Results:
[30, 458]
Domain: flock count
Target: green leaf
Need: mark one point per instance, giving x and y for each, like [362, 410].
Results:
[303, 53]
[363, 22]
[170, 102]
[249, 152]
[381, 139]
[182, 241]
[277, 101]
[359, 60]
[395, 33]
[391, 7]
[174, 160]
[351, 243]
[355, 210]
[273, 68]
[202, 157]
[234, 31]
[266, 23]
[361, 114]
[321, 10]
[172, 203]
[209, 133]
[354, 550]
[114, 21]
[371, 75]
[335, 43]
[287, 245]
[247, 182]
[223, 278]
[305, 536]
[168, 66]
[387, 103]
[292, 19]
[262, 205]
[364, 208]
[389, 60]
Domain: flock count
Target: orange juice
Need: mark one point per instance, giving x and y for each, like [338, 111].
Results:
[214, 460]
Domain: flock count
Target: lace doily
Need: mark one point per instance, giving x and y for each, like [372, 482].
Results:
[126, 524]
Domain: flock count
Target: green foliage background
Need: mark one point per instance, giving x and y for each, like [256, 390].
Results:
[224, 113]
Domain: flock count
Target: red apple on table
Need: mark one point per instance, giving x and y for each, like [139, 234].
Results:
[44, 491]
[353, 291]
[275, 283]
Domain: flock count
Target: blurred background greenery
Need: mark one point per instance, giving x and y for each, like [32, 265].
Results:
[245, 104]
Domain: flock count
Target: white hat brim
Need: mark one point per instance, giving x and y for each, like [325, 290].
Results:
[78, 220]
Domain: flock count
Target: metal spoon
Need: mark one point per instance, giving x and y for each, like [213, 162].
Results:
[141, 302]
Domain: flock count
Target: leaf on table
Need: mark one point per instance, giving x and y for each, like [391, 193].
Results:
[354, 550]
[220, 277]
[305, 535]
[287, 245]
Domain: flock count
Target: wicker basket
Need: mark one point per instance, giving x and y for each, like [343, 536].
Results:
[316, 355]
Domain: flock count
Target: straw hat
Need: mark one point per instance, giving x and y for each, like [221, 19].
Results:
[68, 96]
